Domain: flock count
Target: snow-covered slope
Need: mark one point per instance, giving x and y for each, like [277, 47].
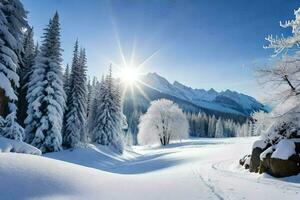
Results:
[194, 169]
[225, 101]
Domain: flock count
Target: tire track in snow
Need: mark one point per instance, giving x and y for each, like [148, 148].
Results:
[264, 181]
[208, 184]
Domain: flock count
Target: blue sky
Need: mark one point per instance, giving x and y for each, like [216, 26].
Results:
[200, 43]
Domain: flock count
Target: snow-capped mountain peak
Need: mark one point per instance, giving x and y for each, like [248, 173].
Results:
[228, 101]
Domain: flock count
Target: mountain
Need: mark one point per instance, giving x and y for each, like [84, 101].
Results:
[226, 101]
[227, 104]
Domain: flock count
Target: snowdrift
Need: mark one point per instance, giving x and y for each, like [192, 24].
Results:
[7, 145]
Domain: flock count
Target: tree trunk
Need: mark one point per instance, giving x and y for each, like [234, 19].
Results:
[3, 104]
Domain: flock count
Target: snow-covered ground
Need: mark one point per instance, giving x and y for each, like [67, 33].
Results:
[194, 169]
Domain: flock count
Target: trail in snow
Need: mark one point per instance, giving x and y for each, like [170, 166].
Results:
[208, 184]
[193, 169]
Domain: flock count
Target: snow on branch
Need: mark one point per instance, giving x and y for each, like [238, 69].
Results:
[279, 44]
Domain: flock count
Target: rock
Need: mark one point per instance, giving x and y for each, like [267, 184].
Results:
[283, 168]
[264, 165]
[242, 160]
[245, 161]
[255, 159]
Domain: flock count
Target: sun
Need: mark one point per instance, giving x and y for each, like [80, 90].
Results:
[129, 75]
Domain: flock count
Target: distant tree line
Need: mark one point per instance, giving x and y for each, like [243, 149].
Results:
[203, 125]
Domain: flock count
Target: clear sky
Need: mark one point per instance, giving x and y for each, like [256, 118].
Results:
[200, 43]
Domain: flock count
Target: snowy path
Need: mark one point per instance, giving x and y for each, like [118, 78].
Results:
[194, 169]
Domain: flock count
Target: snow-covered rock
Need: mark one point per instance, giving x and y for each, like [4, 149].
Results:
[284, 149]
[8, 145]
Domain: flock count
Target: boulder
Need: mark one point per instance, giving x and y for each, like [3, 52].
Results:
[255, 159]
[283, 168]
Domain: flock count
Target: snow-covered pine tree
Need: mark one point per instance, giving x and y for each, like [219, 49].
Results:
[119, 118]
[12, 23]
[89, 97]
[26, 69]
[108, 116]
[219, 129]
[95, 95]
[76, 104]
[99, 115]
[66, 79]
[11, 129]
[83, 81]
[46, 96]
[211, 126]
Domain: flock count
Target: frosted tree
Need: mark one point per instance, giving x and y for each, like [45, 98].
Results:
[284, 73]
[219, 129]
[26, 69]
[12, 23]
[46, 96]
[108, 116]
[279, 44]
[164, 121]
[262, 121]
[75, 121]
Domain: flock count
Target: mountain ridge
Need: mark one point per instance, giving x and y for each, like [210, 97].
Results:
[224, 101]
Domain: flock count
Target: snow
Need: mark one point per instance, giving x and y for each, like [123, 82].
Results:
[284, 149]
[6, 85]
[264, 154]
[259, 143]
[8, 145]
[248, 160]
[194, 169]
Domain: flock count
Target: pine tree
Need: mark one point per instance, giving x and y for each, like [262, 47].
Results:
[102, 120]
[211, 126]
[219, 128]
[107, 130]
[25, 71]
[46, 96]
[67, 80]
[89, 97]
[118, 116]
[95, 95]
[12, 23]
[74, 130]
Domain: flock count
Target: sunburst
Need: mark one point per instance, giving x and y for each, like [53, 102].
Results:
[130, 73]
